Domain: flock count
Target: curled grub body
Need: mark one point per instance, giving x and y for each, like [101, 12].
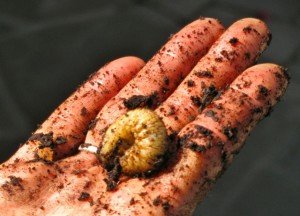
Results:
[138, 139]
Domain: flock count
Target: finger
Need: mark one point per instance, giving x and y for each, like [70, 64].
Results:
[233, 52]
[65, 129]
[176, 189]
[162, 73]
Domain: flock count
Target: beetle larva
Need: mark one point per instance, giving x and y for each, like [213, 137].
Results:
[138, 139]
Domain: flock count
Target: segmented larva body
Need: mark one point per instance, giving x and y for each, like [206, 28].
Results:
[138, 139]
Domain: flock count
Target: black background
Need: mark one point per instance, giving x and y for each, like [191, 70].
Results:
[48, 47]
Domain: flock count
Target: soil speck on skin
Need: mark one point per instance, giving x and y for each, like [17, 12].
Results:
[233, 41]
[166, 205]
[263, 90]
[46, 140]
[211, 114]
[247, 29]
[12, 183]
[231, 133]
[196, 101]
[83, 111]
[93, 124]
[247, 55]
[60, 140]
[203, 130]
[132, 201]
[157, 201]
[190, 83]
[208, 95]
[139, 101]
[16, 181]
[84, 196]
[166, 81]
[204, 74]
[113, 175]
[195, 147]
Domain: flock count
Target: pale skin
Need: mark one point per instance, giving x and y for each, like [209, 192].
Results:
[205, 135]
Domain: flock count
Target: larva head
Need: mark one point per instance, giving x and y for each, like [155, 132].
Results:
[138, 139]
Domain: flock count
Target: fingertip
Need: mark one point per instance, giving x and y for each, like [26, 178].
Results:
[209, 20]
[279, 74]
[130, 60]
[133, 59]
[275, 71]
[253, 22]
[250, 34]
[260, 26]
[265, 82]
[254, 25]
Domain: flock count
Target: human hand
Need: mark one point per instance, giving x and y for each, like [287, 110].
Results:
[181, 83]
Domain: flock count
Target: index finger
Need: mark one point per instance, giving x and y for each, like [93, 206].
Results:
[65, 128]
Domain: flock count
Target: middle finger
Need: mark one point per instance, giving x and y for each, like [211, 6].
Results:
[161, 75]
